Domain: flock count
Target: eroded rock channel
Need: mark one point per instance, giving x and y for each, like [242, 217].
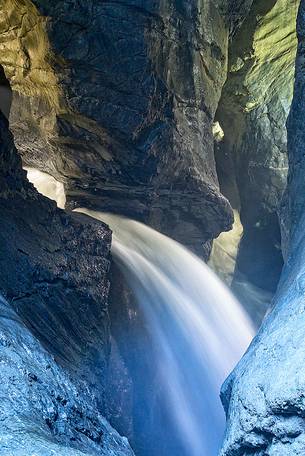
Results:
[171, 113]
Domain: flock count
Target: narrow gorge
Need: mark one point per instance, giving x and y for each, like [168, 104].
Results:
[151, 245]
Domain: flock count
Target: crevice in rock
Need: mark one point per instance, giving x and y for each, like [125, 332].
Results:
[251, 158]
[5, 94]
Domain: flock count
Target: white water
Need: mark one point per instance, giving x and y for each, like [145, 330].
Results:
[47, 186]
[199, 329]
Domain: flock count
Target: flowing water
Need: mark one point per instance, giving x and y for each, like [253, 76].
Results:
[47, 186]
[198, 329]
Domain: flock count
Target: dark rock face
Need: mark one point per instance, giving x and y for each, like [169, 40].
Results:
[264, 396]
[13, 178]
[54, 275]
[53, 262]
[5, 94]
[125, 117]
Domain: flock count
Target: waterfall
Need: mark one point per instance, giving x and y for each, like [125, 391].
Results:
[199, 330]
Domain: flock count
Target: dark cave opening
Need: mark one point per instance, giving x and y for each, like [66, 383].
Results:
[5, 93]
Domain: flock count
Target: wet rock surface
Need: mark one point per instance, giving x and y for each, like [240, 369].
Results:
[53, 262]
[54, 326]
[44, 411]
[252, 161]
[264, 397]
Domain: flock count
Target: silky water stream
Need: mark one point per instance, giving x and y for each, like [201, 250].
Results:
[199, 330]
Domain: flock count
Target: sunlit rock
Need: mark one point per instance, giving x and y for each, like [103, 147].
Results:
[118, 99]
[252, 159]
[47, 186]
[225, 249]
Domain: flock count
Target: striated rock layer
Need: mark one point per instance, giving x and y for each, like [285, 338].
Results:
[54, 326]
[264, 397]
[44, 411]
[117, 99]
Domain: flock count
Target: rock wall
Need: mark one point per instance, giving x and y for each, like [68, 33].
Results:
[5, 94]
[43, 411]
[50, 264]
[118, 103]
[264, 396]
[251, 158]
[54, 269]
[251, 151]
